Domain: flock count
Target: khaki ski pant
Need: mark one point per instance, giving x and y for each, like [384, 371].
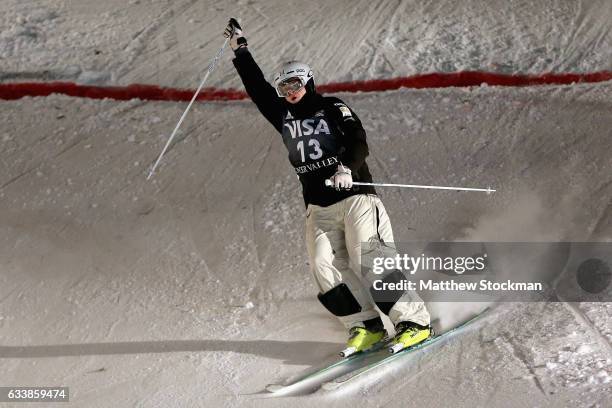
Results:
[334, 235]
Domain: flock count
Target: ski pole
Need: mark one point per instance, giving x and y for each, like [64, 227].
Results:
[488, 190]
[211, 67]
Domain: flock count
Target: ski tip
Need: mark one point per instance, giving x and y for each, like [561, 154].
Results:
[273, 388]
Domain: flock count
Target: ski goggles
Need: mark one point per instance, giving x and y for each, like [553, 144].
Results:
[289, 86]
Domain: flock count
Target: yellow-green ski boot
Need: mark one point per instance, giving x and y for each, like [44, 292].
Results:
[409, 334]
[364, 338]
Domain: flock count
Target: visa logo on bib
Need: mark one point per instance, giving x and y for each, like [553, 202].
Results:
[307, 127]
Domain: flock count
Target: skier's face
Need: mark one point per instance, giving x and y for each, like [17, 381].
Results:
[296, 96]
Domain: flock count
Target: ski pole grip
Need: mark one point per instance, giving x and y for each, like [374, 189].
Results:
[329, 183]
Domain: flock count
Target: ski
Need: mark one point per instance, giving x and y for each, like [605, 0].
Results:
[338, 367]
[387, 358]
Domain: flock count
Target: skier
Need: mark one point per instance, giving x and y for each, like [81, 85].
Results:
[326, 140]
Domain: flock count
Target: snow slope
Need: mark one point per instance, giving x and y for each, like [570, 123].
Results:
[193, 289]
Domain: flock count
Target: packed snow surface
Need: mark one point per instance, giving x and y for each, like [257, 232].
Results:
[193, 289]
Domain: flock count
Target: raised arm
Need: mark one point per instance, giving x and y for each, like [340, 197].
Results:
[261, 92]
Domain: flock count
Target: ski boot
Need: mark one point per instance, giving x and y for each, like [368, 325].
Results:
[364, 338]
[409, 334]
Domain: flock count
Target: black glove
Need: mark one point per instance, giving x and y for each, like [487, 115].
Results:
[234, 33]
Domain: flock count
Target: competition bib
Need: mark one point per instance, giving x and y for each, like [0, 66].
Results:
[310, 142]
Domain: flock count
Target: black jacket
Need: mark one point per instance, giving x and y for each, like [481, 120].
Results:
[319, 133]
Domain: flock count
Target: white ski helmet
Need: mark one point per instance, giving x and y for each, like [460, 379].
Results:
[290, 70]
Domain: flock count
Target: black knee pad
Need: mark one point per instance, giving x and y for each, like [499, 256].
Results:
[340, 301]
[386, 299]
